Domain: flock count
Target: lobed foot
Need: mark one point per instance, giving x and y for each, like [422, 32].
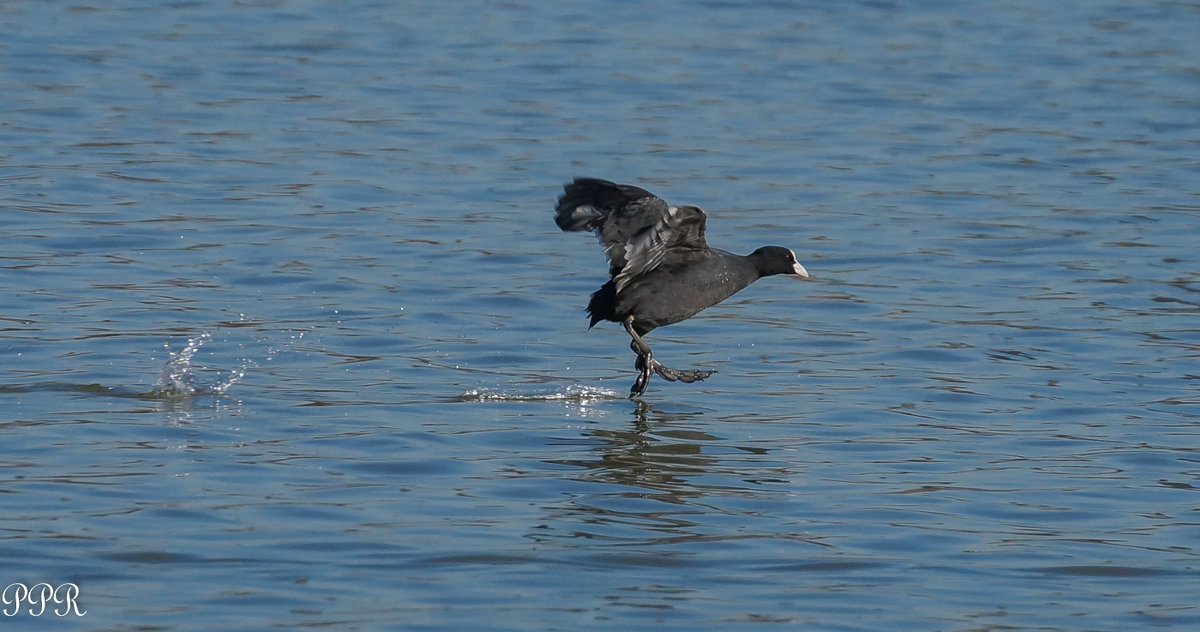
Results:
[644, 364]
[647, 366]
[688, 376]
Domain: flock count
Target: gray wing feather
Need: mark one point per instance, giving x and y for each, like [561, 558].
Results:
[672, 229]
[637, 228]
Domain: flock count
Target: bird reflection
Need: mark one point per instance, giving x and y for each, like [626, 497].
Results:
[651, 470]
[652, 457]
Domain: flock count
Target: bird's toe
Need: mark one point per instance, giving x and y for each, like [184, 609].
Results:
[677, 375]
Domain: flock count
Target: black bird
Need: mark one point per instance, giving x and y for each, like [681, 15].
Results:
[661, 267]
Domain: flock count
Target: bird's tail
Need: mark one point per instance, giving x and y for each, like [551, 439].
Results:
[603, 303]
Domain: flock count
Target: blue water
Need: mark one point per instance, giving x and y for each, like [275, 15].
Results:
[290, 340]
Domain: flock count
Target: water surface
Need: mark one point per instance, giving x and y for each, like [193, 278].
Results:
[291, 340]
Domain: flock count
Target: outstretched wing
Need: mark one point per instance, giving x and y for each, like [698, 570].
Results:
[587, 203]
[637, 228]
[676, 230]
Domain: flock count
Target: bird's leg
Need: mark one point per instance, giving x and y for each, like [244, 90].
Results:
[645, 360]
[647, 365]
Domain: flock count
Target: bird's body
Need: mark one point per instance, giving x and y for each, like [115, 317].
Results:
[662, 269]
[677, 289]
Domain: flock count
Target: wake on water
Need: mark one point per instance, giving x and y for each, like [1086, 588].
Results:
[180, 378]
[183, 377]
[574, 393]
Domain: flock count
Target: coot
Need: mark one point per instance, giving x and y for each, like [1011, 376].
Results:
[662, 270]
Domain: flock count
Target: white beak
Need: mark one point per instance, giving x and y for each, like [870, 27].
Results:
[799, 270]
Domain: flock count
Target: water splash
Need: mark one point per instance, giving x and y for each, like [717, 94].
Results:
[575, 393]
[181, 377]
